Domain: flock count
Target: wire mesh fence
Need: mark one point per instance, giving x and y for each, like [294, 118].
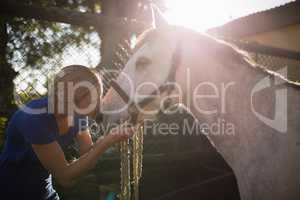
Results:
[273, 58]
[32, 80]
[276, 63]
[58, 44]
[32, 83]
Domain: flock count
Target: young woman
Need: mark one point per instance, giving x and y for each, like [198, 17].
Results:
[37, 132]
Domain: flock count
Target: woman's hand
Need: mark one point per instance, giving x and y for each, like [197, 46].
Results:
[119, 134]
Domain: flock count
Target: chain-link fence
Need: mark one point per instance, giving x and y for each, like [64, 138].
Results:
[273, 58]
[32, 83]
[276, 63]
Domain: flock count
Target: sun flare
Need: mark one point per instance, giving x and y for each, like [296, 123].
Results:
[195, 14]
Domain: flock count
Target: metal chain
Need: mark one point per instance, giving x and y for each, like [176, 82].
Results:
[125, 170]
[137, 158]
[131, 152]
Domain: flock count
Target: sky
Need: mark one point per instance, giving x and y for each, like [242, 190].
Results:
[201, 15]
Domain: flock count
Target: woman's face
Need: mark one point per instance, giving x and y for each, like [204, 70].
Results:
[88, 106]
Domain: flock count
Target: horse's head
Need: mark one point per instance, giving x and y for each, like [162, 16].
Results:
[146, 73]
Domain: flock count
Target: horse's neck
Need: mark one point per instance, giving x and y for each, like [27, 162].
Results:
[242, 136]
[231, 86]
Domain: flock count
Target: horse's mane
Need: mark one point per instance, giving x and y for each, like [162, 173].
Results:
[246, 58]
[227, 49]
[144, 37]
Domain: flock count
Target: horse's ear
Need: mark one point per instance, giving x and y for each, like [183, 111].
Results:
[158, 19]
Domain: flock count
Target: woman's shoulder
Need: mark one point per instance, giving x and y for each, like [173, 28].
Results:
[35, 122]
[32, 111]
[37, 103]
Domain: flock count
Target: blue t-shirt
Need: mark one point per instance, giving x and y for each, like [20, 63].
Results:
[22, 176]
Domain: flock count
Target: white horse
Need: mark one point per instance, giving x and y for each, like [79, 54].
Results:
[258, 110]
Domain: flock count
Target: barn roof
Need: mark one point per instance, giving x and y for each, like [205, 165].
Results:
[264, 21]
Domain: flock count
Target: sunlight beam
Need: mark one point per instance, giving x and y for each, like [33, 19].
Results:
[198, 15]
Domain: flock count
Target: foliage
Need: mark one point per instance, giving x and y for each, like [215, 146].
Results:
[31, 42]
[86, 5]
[3, 121]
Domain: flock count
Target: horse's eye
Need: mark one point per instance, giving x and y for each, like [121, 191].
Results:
[142, 62]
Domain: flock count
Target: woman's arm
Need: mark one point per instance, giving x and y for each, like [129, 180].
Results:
[53, 159]
[85, 142]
